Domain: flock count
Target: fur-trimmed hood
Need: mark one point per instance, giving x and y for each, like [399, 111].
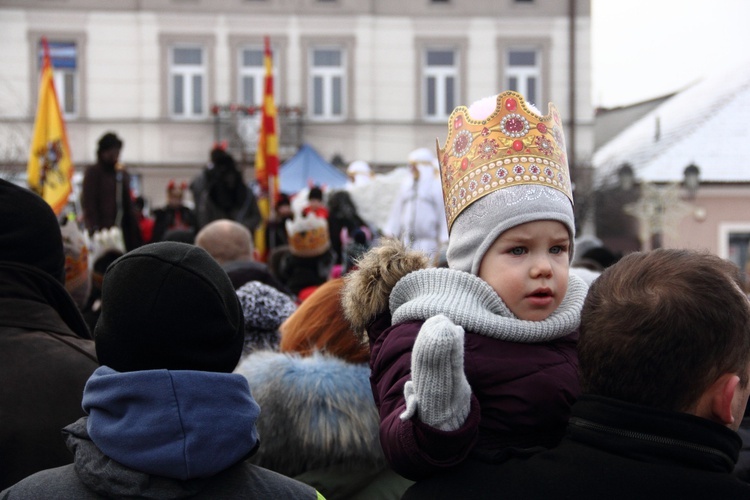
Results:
[316, 412]
[366, 290]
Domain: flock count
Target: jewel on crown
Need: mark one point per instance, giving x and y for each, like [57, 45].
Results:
[513, 145]
[308, 235]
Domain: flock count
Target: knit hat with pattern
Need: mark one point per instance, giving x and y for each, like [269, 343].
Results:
[500, 206]
[481, 223]
[265, 309]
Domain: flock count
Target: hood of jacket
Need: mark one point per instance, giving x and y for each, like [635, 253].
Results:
[33, 299]
[171, 423]
[318, 412]
[367, 289]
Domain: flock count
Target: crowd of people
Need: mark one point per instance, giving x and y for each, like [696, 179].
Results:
[471, 347]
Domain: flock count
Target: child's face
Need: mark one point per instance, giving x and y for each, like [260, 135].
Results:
[527, 266]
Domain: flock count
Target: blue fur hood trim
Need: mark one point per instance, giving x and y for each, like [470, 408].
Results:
[171, 423]
[318, 411]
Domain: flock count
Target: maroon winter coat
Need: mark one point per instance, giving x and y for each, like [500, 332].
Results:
[521, 397]
[521, 392]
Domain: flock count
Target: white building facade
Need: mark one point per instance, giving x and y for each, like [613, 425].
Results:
[357, 79]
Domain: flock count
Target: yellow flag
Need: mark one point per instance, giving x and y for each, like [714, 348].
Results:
[50, 169]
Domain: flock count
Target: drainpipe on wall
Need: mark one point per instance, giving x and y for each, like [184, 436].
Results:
[572, 89]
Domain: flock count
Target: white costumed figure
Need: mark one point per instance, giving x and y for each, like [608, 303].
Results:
[418, 215]
[359, 174]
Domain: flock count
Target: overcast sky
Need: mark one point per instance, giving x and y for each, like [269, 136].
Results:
[647, 48]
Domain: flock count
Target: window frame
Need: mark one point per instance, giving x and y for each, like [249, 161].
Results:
[278, 47]
[206, 43]
[725, 231]
[459, 48]
[542, 47]
[346, 46]
[78, 39]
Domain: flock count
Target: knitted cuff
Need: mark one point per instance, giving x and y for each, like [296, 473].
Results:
[438, 392]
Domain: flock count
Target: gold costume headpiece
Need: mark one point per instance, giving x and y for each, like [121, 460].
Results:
[512, 146]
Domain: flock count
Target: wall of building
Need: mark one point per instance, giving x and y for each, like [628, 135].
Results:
[124, 80]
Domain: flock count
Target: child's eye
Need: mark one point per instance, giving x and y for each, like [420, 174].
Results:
[517, 251]
[557, 249]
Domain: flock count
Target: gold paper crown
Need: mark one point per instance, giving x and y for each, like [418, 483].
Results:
[308, 235]
[512, 146]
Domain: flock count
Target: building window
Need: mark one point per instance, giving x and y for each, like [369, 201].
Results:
[252, 73]
[187, 81]
[440, 71]
[327, 88]
[65, 70]
[734, 244]
[524, 73]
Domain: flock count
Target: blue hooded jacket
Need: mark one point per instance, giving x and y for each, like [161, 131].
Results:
[178, 424]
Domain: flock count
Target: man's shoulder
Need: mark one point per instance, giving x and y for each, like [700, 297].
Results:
[61, 483]
[558, 474]
[257, 482]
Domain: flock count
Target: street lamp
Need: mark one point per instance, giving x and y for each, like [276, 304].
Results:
[626, 177]
[692, 174]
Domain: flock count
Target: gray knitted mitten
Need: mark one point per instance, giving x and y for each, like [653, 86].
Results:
[438, 391]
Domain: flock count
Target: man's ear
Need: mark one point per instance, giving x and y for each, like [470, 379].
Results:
[723, 393]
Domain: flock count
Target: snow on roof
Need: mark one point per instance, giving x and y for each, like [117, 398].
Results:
[704, 125]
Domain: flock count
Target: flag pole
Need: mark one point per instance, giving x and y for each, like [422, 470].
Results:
[267, 154]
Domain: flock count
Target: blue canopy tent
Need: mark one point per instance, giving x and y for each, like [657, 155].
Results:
[308, 166]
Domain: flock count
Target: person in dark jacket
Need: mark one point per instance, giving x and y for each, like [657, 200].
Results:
[175, 215]
[166, 418]
[276, 225]
[343, 223]
[105, 199]
[223, 194]
[664, 352]
[479, 357]
[46, 351]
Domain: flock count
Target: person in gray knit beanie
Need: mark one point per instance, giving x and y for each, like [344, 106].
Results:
[492, 361]
[265, 309]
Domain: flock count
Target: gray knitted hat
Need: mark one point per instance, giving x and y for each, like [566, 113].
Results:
[503, 164]
[265, 309]
[480, 224]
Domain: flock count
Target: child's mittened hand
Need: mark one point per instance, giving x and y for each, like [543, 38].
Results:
[438, 391]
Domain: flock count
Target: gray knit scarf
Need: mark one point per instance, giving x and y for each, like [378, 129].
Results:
[472, 303]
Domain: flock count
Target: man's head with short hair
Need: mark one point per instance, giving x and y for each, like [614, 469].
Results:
[108, 149]
[660, 329]
[315, 194]
[226, 241]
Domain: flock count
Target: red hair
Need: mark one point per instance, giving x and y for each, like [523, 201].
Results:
[319, 325]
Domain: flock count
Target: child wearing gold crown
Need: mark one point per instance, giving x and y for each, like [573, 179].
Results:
[479, 358]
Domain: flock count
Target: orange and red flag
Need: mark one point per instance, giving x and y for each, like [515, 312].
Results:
[267, 154]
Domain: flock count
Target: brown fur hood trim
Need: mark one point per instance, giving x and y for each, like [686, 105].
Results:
[366, 290]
